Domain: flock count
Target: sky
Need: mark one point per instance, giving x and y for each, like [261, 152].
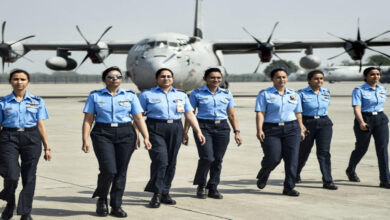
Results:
[132, 20]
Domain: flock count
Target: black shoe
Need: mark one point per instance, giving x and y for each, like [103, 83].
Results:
[290, 192]
[330, 186]
[155, 202]
[213, 193]
[26, 217]
[8, 211]
[166, 199]
[201, 192]
[101, 207]
[298, 179]
[385, 185]
[118, 212]
[262, 181]
[352, 176]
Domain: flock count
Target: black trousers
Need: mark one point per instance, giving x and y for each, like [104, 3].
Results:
[211, 154]
[27, 145]
[281, 142]
[321, 132]
[166, 140]
[113, 148]
[379, 129]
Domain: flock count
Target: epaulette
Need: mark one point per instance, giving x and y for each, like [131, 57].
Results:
[131, 91]
[225, 91]
[196, 90]
[299, 91]
[262, 90]
[180, 90]
[357, 87]
[36, 97]
[93, 91]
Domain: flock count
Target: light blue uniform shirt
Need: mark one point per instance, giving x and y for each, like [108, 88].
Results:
[112, 109]
[164, 106]
[211, 106]
[314, 104]
[278, 108]
[23, 114]
[369, 99]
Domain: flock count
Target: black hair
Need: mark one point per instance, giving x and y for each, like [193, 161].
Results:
[312, 73]
[162, 69]
[109, 69]
[14, 71]
[369, 69]
[210, 70]
[274, 71]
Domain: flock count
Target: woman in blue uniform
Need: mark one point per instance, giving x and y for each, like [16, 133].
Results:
[215, 105]
[22, 134]
[315, 103]
[367, 102]
[164, 106]
[113, 137]
[279, 129]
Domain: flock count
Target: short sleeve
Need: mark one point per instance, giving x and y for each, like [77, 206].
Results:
[193, 101]
[260, 103]
[356, 97]
[187, 105]
[90, 105]
[298, 108]
[231, 103]
[42, 111]
[136, 106]
[142, 100]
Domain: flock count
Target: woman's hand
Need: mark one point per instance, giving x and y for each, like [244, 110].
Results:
[47, 155]
[147, 143]
[185, 139]
[201, 138]
[364, 126]
[260, 135]
[85, 147]
[238, 139]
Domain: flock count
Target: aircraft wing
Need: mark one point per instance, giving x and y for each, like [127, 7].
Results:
[246, 47]
[114, 47]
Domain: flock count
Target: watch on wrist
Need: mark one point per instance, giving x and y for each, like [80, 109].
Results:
[236, 131]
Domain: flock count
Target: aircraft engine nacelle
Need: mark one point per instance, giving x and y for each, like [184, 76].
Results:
[19, 51]
[310, 61]
[99, 53]
[60, 63]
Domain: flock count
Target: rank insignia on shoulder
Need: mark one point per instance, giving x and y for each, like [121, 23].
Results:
[180, 90]
[131, 91]
[196, 90]
[93, 91]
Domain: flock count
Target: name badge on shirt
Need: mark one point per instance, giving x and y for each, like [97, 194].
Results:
[32, 105]
[225, 101]
[180, 106]
[101, 103]
[124, 103]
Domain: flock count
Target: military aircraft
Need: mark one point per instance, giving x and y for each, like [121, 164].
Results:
[187, 56]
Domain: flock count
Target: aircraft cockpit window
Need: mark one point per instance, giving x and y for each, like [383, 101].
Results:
[151, 44]
[173, 44]
[161, 44]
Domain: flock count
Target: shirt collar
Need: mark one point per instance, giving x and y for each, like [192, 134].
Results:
[105, 90]
[205, 88]
[311, 89]
[366, 86]
[170, 90]
[286, 90]
[11, 96]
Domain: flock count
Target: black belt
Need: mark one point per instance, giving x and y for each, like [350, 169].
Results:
[112, 125]
[20, 129]
[212, 121]
[280, 123]
[169, 121]
[371, 113]
[314, 117]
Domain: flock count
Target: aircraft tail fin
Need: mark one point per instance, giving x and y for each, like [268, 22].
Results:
[198, 20]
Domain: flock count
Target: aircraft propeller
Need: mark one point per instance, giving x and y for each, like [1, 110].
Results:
[6, 49]
[93, 49]
[356, 48]
[265, 49]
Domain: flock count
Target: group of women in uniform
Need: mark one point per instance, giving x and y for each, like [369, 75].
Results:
[287, 121]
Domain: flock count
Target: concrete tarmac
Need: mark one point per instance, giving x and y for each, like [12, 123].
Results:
[65, 185]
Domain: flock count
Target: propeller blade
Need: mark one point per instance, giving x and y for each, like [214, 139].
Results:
[272, 32]
[25, 38]
[257, 40]
[85, 58]
[360, 65]
[2, 62]
[2, 32]
[369, 40]
[346, 51]
[339, 37]
[276, 55]
[386, 55]
[21, 56]
[358, 33]
[78, 29]
[104, 64]
[257, 67]
[103, 34]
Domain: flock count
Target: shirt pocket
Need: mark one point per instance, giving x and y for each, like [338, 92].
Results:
[307, 99]
[32, 113]
[9, 112]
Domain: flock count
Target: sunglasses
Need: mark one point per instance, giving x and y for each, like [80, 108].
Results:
[112, 76]
[165, 76]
